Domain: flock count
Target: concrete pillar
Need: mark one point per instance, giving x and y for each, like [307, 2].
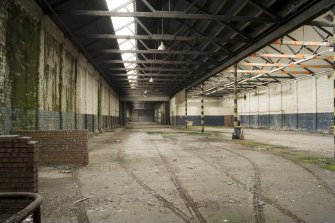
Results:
[235, 96]
[185, 109]
[202, 109]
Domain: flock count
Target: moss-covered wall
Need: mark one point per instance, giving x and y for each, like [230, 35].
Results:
[50, 79]
[22, 46]
[68, 84]
[45, 83]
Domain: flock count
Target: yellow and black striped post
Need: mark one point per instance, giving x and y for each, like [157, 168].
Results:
[202, 109]
[235, 96]
[185, 109]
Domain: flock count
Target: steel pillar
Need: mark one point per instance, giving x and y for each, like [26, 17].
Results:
[235, 96]
[202, 109]
[333, 10]
[185, 109]
[167, 113]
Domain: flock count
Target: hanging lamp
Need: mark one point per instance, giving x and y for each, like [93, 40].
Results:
[162, 46]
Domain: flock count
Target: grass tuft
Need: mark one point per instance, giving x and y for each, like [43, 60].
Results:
[325, 163]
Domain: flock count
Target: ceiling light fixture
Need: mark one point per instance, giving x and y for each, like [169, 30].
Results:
[151, 80]
[162, 46]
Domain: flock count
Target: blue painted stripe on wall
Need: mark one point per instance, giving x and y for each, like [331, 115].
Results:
[209, 120]
[308, 122]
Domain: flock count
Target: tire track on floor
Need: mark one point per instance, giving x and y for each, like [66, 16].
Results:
[257, 194]
[188, 200]
[323, 183]
[81, 212]
[257, 189]
[179, 213]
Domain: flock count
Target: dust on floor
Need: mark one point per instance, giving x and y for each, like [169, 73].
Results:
[154, 174]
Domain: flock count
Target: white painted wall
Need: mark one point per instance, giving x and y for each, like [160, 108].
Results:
[88, 78]
[311, 94]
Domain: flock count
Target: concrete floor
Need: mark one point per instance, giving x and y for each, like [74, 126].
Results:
[151, 173]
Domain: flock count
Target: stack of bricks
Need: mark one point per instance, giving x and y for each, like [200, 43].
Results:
[65, 147]
[18, 169]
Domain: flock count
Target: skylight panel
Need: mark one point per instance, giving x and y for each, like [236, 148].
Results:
[125, 26]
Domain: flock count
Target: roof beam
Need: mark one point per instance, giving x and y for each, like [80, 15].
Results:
[223, 23]
[315, 8]
[296, 56]
[159, 87]
[174, 52]
[319, 24]
[147, 75]
[264, 9]
[150, 69]
[269, 77]
[287, 65]
[267, 71]
[161, 37]
[149, 62]
[142, 81]
[169, 15]
[141, 98]
[302, 43]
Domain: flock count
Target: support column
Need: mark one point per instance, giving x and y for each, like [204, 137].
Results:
[167, 113]
[61, 120]
[125, 113]
[185, 109]
[333, 11]
[235, 96]
[76, 93]
[202, 109]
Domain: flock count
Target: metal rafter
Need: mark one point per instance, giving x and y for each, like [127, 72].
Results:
[153, 51]
[148, 75]
[224, 24]
[163, 37]
[268, 11]
[168, 15]
[149, 62]
[315, 8]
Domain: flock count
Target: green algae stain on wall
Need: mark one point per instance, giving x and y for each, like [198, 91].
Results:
[51, 73]
[22, 53]
[69, 82]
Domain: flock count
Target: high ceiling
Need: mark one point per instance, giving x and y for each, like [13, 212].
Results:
[202, 38]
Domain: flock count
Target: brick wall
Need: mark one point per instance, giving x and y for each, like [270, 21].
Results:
[18, 169]
[68, 147]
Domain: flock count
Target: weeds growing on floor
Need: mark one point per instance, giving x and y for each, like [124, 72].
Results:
[296, 156]
[325, 163]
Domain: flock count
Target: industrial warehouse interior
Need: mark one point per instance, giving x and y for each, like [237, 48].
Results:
[150, 111]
